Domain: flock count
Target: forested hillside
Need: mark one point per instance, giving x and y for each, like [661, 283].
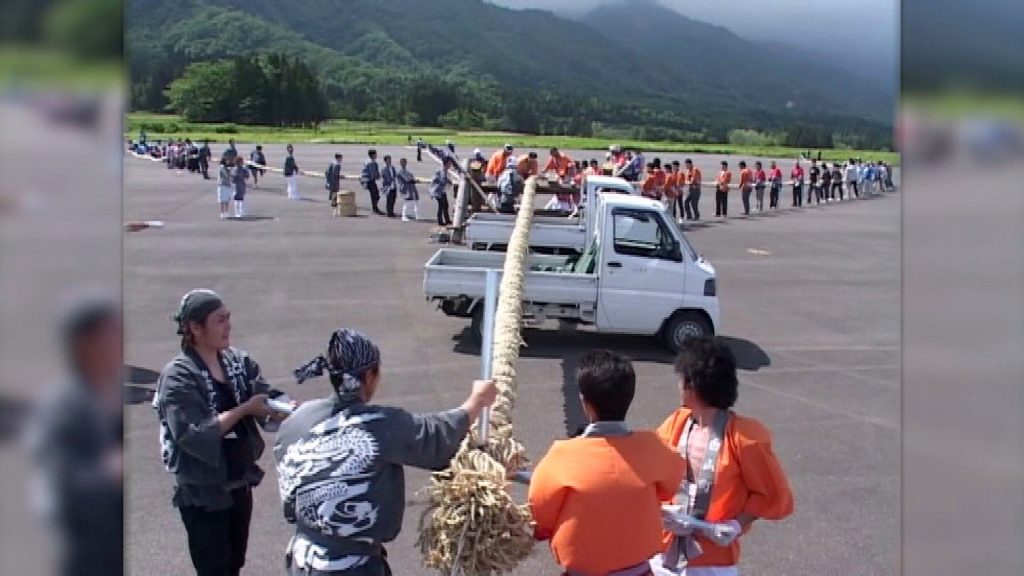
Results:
[471, 65]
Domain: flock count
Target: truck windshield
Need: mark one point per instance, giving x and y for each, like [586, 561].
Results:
[642, 233]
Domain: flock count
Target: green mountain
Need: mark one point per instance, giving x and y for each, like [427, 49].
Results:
[471, 64]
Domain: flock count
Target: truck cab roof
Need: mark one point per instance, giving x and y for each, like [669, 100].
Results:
[622, 200]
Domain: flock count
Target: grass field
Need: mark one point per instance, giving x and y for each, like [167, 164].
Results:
[28, 67]
[162, 126]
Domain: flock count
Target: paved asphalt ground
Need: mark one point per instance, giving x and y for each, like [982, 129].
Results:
[810, 302]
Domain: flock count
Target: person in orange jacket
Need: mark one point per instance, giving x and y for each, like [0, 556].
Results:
[654, 183]
[673, 182]
[732, 475]
[528, 165]
[561, 164]
[722, 182]
[597, 497]
[496, 165]
[746, 186]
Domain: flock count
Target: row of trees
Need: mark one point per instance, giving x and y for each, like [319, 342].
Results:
[282, 90]
[268, 90]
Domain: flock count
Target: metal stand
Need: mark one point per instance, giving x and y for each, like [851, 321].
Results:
[487, 347]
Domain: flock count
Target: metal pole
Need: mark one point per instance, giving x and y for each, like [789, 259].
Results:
[461, 205]
[487, 347]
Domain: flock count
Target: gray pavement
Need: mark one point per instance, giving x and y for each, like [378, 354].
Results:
[810, 302]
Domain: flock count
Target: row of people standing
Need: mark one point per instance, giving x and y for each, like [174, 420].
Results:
[679, 187]
[695, 486]
[395, 182]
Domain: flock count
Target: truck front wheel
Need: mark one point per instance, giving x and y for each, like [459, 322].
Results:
[685, 325]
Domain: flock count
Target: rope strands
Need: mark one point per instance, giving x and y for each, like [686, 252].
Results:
[472, 526]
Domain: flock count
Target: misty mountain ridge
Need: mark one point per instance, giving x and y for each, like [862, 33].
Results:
[614, 60]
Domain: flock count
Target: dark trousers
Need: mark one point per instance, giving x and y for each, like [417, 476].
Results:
[391, 196]
[442, 211]
[217, 541]
[721, 203]
[798, 196]
[773, 197]
[759, 193]
[375, 567]
[837, 186]
[204, 167]
[374, 195]
[691, 205]
[745, 196]
[814, 192]
[853, 186]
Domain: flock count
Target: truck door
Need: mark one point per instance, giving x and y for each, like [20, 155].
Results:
[642, 272]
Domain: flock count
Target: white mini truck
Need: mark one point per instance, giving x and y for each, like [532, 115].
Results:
[548, 234]
[638, 275]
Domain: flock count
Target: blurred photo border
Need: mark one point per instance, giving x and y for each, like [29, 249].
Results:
[958, 127]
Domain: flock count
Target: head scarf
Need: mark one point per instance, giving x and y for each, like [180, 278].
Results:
[195, 307]
[349, 355]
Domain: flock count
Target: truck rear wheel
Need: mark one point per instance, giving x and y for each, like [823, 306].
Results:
[685, 325]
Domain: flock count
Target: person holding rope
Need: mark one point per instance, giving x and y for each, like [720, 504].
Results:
[211, 400]
[722, 190]
[608, 476]
[257, 157]
[389, 182]
[439, 191]
[368, 178]
[407, 188]
[340, 461]
[691, 204]
[732, 475]
[775, 179]
[225, 186]
[760, 183]
[291, 175]
[797, 176]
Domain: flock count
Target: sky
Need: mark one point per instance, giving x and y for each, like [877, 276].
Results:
[856, 34]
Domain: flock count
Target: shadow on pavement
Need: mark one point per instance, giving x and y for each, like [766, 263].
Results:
[749, 356]
[137, 375]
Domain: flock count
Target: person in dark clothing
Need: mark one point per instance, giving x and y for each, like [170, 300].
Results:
[257, 157]
[837, 182]
[291, 174]
[75, 439]
[439, 191]
[389, 184]
[211, 400]
[231, 152]
[334, 180]
[204, 159]
[368, 178]
[815, 188]
[340, 461]
[826, 184]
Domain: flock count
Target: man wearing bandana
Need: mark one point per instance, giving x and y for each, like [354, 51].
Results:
[210, 399]
[340, 461]
[732, 476]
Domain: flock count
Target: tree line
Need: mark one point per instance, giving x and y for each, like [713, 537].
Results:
[282, 90]
[272, 90]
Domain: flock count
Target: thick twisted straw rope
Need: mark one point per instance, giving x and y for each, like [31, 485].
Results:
[472, 526]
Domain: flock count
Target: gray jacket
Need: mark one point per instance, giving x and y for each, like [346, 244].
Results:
[190, 440]
[224, 177]
[341, 477]
[439, 184]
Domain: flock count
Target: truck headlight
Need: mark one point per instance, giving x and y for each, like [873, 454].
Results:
[709, 287]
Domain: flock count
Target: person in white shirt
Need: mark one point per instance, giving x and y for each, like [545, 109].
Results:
[851, 180]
